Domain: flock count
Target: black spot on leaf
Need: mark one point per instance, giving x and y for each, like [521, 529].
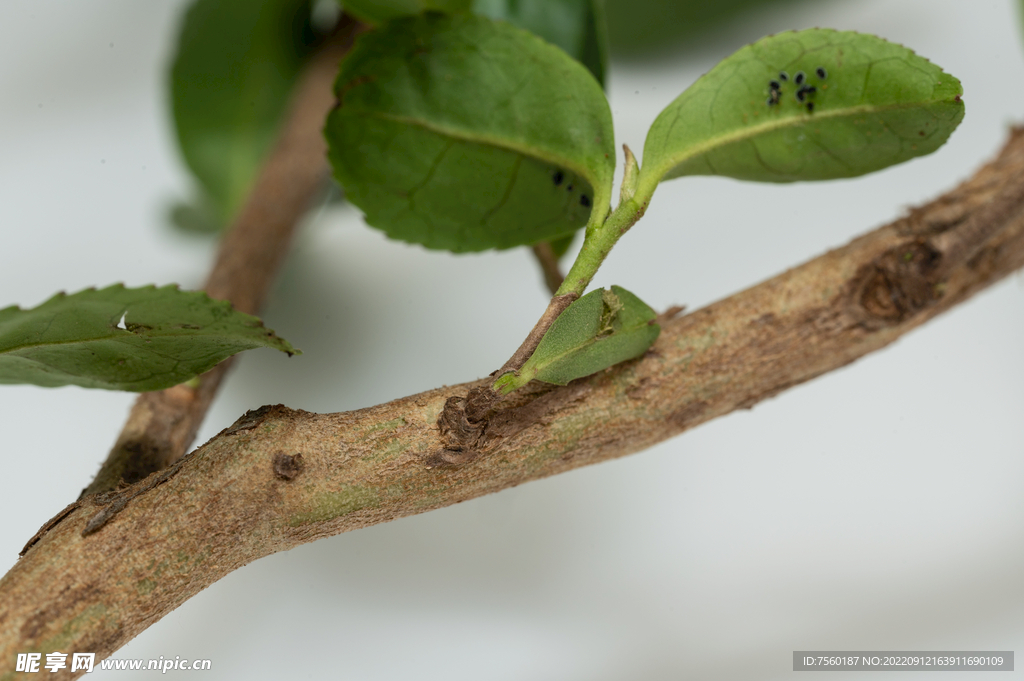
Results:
[557, 177]
[584, 200]
[805, 91]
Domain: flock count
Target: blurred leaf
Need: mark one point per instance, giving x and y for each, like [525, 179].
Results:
[805, 105]
[125, 339]
[577, 26]
[378, 11]
[198, 217]
[561, 245]
[234, 69]
[601, 329]
[640, 26]
[462, 133]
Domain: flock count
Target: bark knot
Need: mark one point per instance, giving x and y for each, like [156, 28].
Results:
[287, 466]
[898, 284]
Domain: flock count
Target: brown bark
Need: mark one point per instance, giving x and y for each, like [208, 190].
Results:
[279, 477]
[162, 425]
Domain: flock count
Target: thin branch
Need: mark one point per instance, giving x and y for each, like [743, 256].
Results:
[548, 262]
[279, 477]
[162, 425]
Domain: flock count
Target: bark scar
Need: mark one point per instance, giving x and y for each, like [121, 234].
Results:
[116, 501]
[49, 525]
[287, 466]
[897, 285]
[466, 434]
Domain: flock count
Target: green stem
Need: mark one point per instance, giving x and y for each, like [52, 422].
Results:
[601, 237]
[598, 243]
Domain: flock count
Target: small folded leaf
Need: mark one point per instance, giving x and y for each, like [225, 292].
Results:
[378, 11]
[577, 26]
[630, 175]
[236, 63]
[463, 133]
[125, 339]
[805, 105]
[601, 329]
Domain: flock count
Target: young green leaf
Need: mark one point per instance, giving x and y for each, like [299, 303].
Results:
[462, 133]
[125, 339]
[805, 105]
[377, 12]
[234, 69]
[577, 26]
[601, 329]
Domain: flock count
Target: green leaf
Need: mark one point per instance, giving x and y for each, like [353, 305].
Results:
[561, 245]
[872, 105]
[462, 133]
[601, 329]
[377, 12]
[577, 26]
[639, 28]
[125, 339]
[234, 69]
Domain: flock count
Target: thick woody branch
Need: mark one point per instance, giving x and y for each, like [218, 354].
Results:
[162, 425]
[280, 477]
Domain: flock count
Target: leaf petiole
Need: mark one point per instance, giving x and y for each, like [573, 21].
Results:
[601, 236]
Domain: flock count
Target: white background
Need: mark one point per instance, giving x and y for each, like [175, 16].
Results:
[878, 507]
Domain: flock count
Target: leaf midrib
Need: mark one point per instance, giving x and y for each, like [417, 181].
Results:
[83, 341]
[588, 343]
[502, 143]
[747, 132]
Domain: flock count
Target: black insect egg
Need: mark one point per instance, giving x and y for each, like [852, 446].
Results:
[799, 78]
[783, 75]
[557, 177]
[822, 73]
[774, 85]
